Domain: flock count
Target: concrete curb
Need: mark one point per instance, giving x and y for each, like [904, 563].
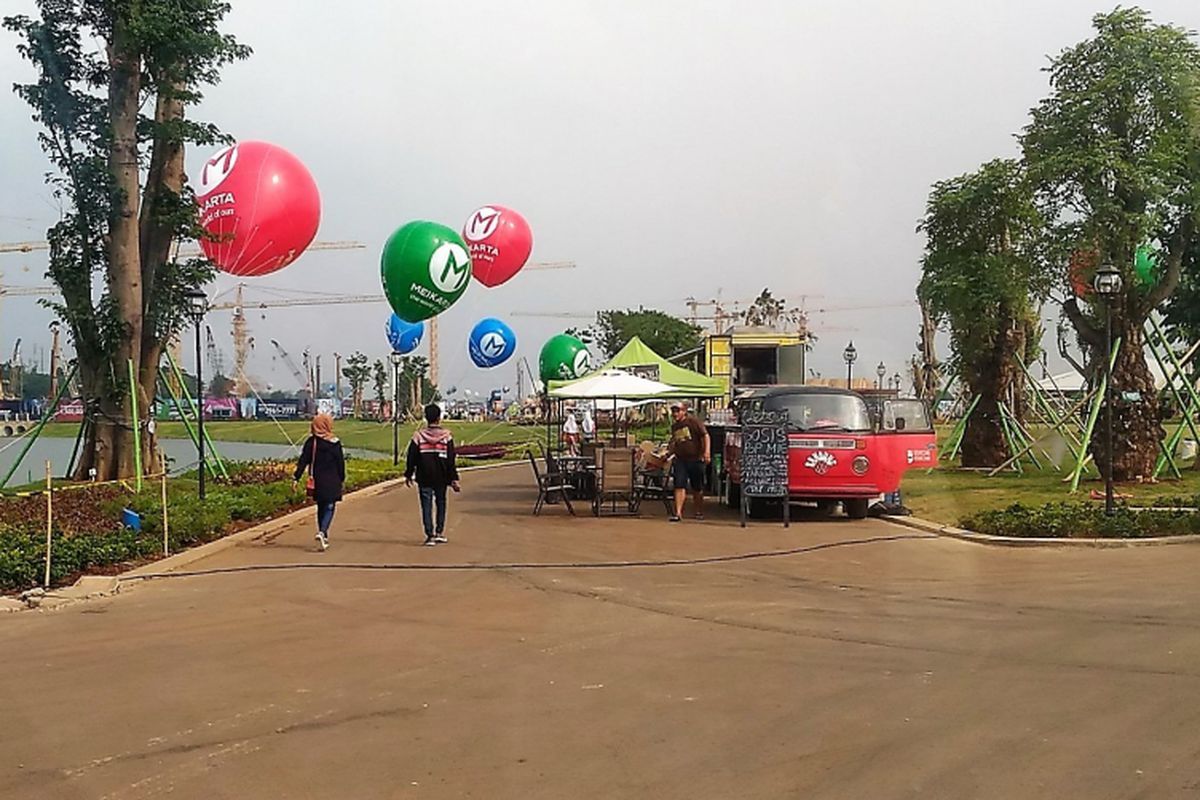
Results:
[91, 586]
[1030, 541]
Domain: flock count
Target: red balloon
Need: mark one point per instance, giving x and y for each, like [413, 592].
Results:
[261, 206]
[1081, 269]
[500, 242]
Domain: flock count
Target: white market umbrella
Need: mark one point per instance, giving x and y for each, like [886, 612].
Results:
[613, 383]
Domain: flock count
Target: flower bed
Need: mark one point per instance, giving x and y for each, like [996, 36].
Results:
[88, 534]
[1083, 521]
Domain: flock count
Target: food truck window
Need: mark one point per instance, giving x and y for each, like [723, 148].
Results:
[754, 366]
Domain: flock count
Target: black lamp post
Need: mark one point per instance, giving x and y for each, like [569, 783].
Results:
[881, 370]
[897, 379]
[396, 359]
[849, 355]
[1107, 285]
[197, 302]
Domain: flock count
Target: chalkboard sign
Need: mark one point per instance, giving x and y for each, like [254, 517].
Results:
[764, 453]
[765, 458]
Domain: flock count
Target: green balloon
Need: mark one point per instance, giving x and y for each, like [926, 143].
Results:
[563, 358]
[1145, 265]
[425, 268]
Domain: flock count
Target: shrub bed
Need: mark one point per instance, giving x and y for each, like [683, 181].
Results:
[88, 534]
[1082, 521]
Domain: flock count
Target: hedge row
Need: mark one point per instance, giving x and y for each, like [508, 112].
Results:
[1080, 521]
[91, 536]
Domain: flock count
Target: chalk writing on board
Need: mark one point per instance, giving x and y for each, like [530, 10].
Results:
[764, 453]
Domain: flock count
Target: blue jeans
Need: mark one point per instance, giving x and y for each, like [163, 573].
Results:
[325, 516]
[428, 495]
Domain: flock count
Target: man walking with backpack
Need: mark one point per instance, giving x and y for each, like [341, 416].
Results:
[431, 460]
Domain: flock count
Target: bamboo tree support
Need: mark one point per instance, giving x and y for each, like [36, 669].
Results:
[1009, 440]
[1075, 455]
[1093, 415]
[38, 430]
[137, 428]
[1028, 441]
[196, 409]
[49, 521]
[1156, 341]
[960, 430]
[1059, 419]
[162, 460]
[83, 426]
[187, 425]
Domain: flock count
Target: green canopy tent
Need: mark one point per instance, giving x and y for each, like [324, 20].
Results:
[638, 358]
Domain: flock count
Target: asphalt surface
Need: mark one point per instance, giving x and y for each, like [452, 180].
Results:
[839, 660]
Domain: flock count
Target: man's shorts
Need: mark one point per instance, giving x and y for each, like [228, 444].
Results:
[688, 474]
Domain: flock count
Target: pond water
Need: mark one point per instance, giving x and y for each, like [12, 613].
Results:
[181, 455]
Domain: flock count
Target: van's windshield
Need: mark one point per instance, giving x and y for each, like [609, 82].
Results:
[815, 412]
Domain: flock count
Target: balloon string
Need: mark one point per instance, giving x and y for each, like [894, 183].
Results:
[254, 257]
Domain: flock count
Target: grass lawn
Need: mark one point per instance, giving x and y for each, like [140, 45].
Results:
[947, 494]
[353, 433]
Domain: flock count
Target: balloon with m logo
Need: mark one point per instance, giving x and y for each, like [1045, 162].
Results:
[425, 268]
[259, 208]
[500, 242]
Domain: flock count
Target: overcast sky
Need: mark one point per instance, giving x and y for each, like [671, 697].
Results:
[667, 148]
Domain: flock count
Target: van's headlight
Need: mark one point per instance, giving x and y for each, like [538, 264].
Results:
[860, 465]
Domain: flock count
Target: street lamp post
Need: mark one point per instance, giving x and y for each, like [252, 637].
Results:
[396, 359]
[197, 302]
[849, 355]
[897, 379]
[1107, 284]
[881, 370]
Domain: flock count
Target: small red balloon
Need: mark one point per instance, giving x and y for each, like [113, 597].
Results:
[260, 205]
[500, 241]
[1081, 269]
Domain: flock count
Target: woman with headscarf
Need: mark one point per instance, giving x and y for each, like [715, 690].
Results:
[322, 455]
[589, 425]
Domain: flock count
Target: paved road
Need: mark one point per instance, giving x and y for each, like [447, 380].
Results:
[873, 663]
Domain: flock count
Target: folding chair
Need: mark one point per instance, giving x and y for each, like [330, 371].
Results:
[615, 481]
[548, 484]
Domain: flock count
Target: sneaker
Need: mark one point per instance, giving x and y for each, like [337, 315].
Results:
[440, 539]
[673, 518]
[700, 517]
[429, 541]
[322, 541]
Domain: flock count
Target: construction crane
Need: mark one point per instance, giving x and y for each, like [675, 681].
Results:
[216, 362]
[190, 250]
[14, 371]
[302, 376]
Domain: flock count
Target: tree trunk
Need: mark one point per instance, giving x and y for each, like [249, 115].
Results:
[1137, 429]
[124, 262]
[997, 380]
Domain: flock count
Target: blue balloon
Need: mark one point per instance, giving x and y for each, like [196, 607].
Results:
[404, 336]
[491, 343]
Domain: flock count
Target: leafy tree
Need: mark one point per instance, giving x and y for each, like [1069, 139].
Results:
[983, 280]
[662, 333]
[379, 377]
[99, 64]
[221, 386]
[1114, 153]
[358, 372]
[768, 311]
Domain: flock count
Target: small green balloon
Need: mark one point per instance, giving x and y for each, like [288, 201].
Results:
[425, 268]
[1145, 265]
[563, 358]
